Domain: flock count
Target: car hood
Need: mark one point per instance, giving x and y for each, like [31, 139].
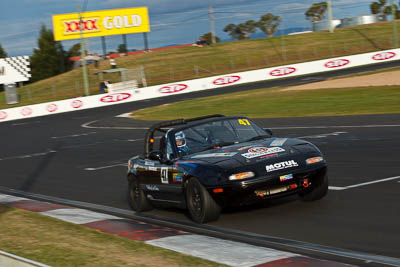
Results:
[265, 150]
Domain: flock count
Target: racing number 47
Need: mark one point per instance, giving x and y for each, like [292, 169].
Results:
[244, 122]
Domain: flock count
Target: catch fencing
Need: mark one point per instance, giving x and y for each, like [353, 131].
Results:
[199, 85]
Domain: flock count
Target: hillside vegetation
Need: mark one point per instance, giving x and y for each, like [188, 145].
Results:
[177, 64]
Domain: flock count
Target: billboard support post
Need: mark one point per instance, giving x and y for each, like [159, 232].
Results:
[125, 42]
[146, 44]
[84, 67]
[103, 44]
[212, 27]
[395, 36]
[330, 16]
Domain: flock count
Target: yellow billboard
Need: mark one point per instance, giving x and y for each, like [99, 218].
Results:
[101, 23]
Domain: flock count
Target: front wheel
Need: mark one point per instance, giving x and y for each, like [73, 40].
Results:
[137, 197]
[201, 205]
[318, 190]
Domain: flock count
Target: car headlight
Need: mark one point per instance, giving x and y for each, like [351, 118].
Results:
[314, 160]
[242, 175]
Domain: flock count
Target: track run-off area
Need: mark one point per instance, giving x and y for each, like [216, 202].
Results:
[82, 156]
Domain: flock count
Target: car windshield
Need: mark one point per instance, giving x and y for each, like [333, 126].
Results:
[217, 134]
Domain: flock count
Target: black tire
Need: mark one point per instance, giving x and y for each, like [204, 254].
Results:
[201, 205]
[319, 189]
[137, 197]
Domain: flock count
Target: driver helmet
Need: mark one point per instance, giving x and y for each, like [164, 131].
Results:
[181, 142]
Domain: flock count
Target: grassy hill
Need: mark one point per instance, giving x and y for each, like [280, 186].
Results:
[169, 65]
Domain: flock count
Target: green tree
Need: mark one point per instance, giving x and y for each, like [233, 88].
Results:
[49, 58]
[207, 37]
[74, 51]
[268, 23]
[380, 8]
[242, 30]
[122, 48]
[316, 12]
[3, 53]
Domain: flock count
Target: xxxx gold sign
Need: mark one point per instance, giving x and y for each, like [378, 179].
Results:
[101, 23]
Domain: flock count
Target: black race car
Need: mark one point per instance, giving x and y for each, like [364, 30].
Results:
[210, 162]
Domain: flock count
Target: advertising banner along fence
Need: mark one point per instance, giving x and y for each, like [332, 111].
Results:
[137, 94]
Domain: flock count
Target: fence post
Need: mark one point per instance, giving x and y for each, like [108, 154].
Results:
[171, 73]
[266, 59]
[54, 90]
[299, 54]
[332, 50]
[248, 62]
[143, 74]
[232, 64]
[77, 87]
[29, 93]
[315, 52]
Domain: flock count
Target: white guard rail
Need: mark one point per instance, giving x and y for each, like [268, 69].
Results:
[198, 85]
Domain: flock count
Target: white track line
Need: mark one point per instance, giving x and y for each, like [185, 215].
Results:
[30, 155]
[106, 167]
[124, 115]
[322, 135]
[87, 125]
[24, 123]
[362, 184]
[73, 135]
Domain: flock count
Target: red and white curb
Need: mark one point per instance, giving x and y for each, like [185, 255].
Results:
[214, 249]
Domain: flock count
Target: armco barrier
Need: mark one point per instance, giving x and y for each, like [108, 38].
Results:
[198, 85]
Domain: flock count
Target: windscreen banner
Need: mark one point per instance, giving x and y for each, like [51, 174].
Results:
[101, 23]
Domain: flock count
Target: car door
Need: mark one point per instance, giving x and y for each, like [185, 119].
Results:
[165, 184]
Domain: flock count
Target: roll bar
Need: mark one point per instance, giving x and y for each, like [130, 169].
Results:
[149, 139]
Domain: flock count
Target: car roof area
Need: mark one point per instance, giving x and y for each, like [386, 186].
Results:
[181, 123]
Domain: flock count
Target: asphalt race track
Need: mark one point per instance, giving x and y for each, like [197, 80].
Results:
[82, 156]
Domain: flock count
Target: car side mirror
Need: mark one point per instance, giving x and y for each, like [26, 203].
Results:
[156, 155]
[269, 131]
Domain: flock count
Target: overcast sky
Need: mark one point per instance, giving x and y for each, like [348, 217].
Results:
[171, 21]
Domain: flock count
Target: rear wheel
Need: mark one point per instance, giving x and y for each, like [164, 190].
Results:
[319, 189]
[137, 197]
[201, 205]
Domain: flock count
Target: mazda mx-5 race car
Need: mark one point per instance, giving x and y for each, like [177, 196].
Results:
[207, 163]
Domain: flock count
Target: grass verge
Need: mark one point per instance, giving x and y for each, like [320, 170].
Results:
[57, 243]
[268, 103]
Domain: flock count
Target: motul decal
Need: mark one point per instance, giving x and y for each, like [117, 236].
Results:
[115, 97]
[337, 63]
[282, 71]
[26, 111]
[3, 115]
[76, 103]
[74, 26]
[383, 55]
[174, 88]
[51, 107]
[226, 80]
